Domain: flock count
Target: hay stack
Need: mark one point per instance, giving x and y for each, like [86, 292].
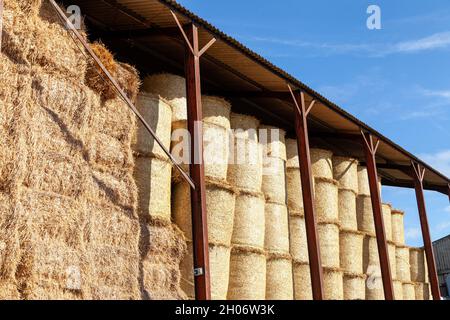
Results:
[220, 204]
[322, 163]
[245, 169]
[398, 227]
[249, 220]
[153, 171]
[293, 179]
[298, 240]
[279, 283]
[345, 172]
[219, 259]
[351, 244]
[363, 182]
[333, 284]
[326, 199]
[328, 233]
[387, 212]
[398, 290]
[409, 292]
[277, 228]
[302, 281]
[354, 286]
[417, 263]
[422, 291]
[364, 214]
[247, 274]
[347, 209]
[402, 263]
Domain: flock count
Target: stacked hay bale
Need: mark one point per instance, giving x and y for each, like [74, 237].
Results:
[403, 270]
[327, 211]
[402, 273]
[297, 229]
[220, 196]
[345, 171]
[248, 260]
[279, 282]
[417, 261]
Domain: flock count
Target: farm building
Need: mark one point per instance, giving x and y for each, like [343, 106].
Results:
[95, 205]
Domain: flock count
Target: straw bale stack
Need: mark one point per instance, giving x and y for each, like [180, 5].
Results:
[274, 141]
[279, 279]
[363, 182]
[328, 233]
[333, 284]
[293, 179]
[409, 292]
[422, 291]
[277, 228]
[219, 257]
[274, 180]
[246, 167]
[302, 281]
[345, 172]
[398, 289]
[249, 220]
[298, 241]
[326, 199]
[370, 252]
[364, 214]
[417, 263]
[220, 205]
[402, 263]
[392, 248]
[354, 286]
[247, 274]
[347, 209]
[387, 213]
[322, 163]
[351, 244]
[398, 227]
[374, 284]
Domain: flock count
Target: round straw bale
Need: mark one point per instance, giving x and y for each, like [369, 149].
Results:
[249, 220]
[364, 214]
[216, 111]
[246, 169]
[398, 289]
[219, 264]
[244, 126]
[173, 89]
[298, 240]
[153, 180]
[329, 244]
[345, 171]
[417, 262]
[333, 284]
[294, 190]
[326, 199]
[302, 281]
[274, 180]
[292, 154]
[422, 291]
[247, 274]
[409, 293]
[392, 258]
[321, 163]
[387, 213]
[363, 181]
[220, 204]
[277, 228]
[216, 149]
[402, 263]
[274, 141]
[279, 281]
[351, 245]
[370, 253]
[398, 227]
[374, 284]
[347, 209]
[158, 114]
[354, 286]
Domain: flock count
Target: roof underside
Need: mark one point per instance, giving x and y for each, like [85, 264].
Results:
[143, 32]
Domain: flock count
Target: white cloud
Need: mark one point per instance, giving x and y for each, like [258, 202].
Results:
[435, 41]
[413, 233]
[439, 160]
[437, 93]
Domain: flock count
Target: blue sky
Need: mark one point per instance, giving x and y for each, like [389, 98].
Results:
[396, 79]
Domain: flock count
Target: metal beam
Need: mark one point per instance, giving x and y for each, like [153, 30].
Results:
[198, 196]
[301, 128]
[370, 150]
[419, 173]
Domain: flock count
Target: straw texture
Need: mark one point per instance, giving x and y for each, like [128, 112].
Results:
[398, 227]
[247, 274]
[329, 244]
[279, 283]
[387, 213]
[354, 286]
[364, 214]
[302, 281]
[345, 172]
[402, 263]
[274, 141]
[244, 126]
[422, 291]
[398, 289]
[298, 241]
[392, 248]
[277, 228]
[347, 209]
[274, 180]
[326, 199]
[322, 163]
[292, 154]
[417, 263]
[351, 245]
[409, 292]
[333, 284]
[294, 190]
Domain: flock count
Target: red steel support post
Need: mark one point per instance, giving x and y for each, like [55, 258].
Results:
[370, 150]
[198, 196]
[301, 127]
[419, 173]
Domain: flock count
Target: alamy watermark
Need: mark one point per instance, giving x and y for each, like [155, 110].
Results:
[374, 20]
